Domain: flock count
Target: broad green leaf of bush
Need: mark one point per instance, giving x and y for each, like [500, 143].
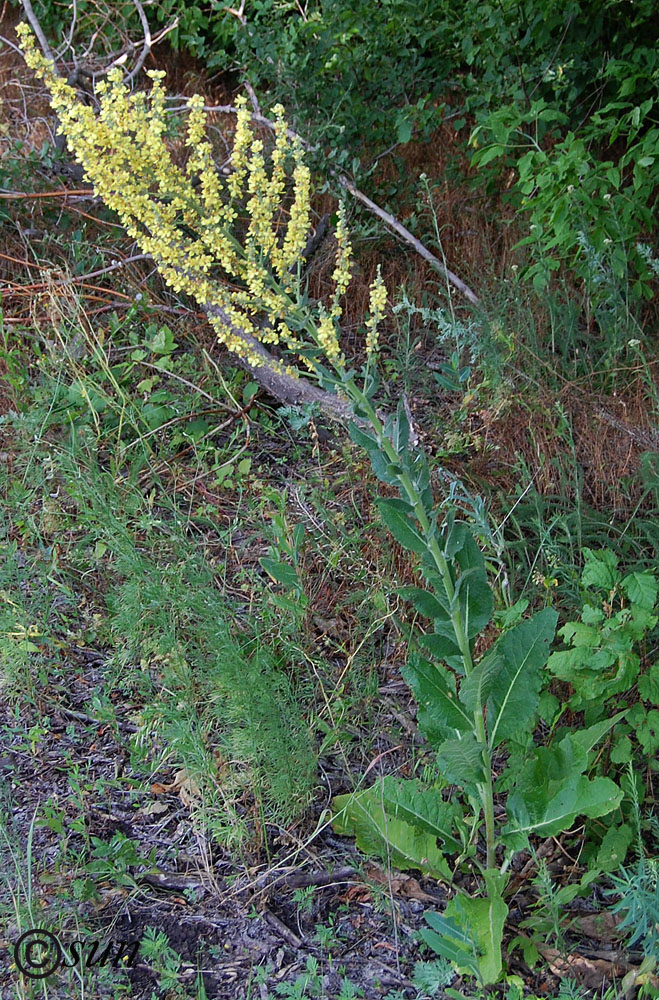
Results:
[400, 822]
[470, 931]
[551, 790]
[604, 656]
[509, 677]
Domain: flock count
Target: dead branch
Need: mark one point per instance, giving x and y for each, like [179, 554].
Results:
[399, 228]
[286, 388]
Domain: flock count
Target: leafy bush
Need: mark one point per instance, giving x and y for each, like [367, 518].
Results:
[603, 663]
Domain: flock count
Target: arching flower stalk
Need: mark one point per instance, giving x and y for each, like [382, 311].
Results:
[189, 219]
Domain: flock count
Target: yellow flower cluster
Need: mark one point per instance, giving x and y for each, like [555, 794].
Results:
[187, 218]
[376, 305]
[341, 275]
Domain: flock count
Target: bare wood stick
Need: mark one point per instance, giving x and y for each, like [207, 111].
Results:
[286, 388]
[399, 228]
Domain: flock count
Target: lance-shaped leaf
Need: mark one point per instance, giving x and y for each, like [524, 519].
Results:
[440, 713]
[403, 825]
[475, 689]
[473, 594]
[514, 689]
[424, 602]
[402, 527]
[442, 648]
[451, 942]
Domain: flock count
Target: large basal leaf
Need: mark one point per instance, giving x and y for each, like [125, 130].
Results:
[470, 931]
[373, 818]
[402, 527]
[425, 809]
[514, 689]
[440, 712]
[576, 796]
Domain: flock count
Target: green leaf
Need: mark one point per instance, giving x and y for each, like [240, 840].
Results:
[601, 569]
[280, 572]
[614, 847]
[360, 437]
[483, 157]
[470, 931]
[404, 131]
[460, 761]
[472, 590]
[440, 712]
[475, 689]
[163, 342]
[250, 390]
[641, 589]
[647, 733]
[648, 684]
[440, 646]
[547, 815]
[369, 816]
[424, 602]
[402, 527]
[451, 942]
[521, 653]
[586, 739]
[425, 809]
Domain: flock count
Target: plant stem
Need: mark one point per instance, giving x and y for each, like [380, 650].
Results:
[462, 639]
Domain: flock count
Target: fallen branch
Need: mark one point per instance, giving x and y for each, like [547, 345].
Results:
[286, 388]
[399, 228]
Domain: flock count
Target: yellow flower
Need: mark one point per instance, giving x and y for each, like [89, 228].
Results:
[341, 273]
[376, 306]
[186, 218]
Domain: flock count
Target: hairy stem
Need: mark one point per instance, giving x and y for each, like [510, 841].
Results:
[462, 639]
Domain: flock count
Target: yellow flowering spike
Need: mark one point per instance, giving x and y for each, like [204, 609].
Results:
[299, 222]
[241, 144]
[341, 275]
[185, 218]
[328, 340]
[376, 305]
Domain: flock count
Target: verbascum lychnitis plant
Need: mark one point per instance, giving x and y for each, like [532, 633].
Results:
[232, 244]
[476, 712]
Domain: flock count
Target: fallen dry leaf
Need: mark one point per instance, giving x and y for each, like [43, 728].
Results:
[589, 972]
[188, 790]
[401, 885]
[153, 809]
[601, 926]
